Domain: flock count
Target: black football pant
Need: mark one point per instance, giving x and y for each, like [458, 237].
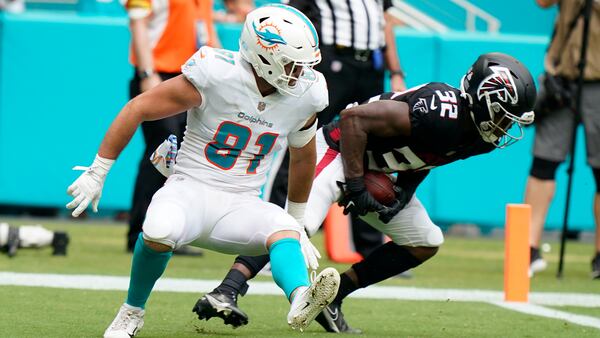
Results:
[149, 180]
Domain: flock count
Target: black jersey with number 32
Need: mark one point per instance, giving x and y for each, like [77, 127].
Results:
[442, 132]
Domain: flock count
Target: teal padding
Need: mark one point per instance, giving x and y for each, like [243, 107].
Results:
[147, 266]
[287, 265]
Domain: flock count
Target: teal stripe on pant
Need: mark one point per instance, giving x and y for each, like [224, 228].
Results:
[147, 265]
[287, 265]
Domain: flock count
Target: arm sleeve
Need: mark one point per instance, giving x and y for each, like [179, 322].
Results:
[302, 136]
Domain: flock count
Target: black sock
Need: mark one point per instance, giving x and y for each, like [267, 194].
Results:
[386, 261]
[253, 263]
[534, 253]
[234, 282]
[347, 286]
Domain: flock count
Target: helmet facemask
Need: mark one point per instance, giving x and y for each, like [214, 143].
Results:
[497, 130]
[296, 76]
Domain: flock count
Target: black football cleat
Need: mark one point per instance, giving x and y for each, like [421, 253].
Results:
[12, 242]
[596, 267]
[60, 243]
[217, 304]
[332, 320]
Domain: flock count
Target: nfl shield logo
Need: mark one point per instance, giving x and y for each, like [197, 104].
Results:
[261, 106]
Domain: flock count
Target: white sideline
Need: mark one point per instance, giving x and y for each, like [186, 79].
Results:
[98, 282]
[537, 310]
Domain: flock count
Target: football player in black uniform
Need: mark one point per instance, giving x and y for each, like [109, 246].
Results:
[407, 133]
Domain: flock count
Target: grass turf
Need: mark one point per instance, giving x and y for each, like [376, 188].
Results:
[98, 248]
[37, 312]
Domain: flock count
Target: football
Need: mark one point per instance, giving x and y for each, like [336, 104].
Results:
[380, 186]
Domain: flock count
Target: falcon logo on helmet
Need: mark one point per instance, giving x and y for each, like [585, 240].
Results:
[500, 83]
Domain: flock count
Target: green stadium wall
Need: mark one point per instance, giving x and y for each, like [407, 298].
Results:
[64, 76]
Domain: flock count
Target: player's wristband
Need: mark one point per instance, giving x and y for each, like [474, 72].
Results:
[101, 165]
[145, 73]
[397, 72]
[296, 210]
[355, 184]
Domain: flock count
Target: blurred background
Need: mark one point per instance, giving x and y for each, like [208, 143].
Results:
[64, 74]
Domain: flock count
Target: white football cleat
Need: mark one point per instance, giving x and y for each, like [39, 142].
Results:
[310, 301]
[539, 264]
[128, 322]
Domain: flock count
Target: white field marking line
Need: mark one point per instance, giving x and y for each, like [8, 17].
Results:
[98, 282]
[537, 310]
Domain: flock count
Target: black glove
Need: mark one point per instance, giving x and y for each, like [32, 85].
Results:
[402, 199]
[356, 199]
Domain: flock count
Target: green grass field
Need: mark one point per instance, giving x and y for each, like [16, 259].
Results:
[98, 248]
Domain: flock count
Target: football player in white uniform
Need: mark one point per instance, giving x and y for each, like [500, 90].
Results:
[241, 108]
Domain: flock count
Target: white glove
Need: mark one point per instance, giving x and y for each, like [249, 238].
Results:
[164, 157]
[88, 187]
[310, 252]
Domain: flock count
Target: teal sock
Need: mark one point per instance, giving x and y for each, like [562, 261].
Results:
[147, 266]
[287, 265]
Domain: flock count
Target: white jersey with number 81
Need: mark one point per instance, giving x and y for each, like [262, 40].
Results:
[231, 137]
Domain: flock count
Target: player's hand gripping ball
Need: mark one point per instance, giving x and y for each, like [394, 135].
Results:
[373, 192]
[356, 197]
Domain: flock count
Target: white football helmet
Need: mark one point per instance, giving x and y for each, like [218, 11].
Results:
[276, 35]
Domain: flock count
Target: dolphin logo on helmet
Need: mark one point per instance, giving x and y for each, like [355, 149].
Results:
[267, 36]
